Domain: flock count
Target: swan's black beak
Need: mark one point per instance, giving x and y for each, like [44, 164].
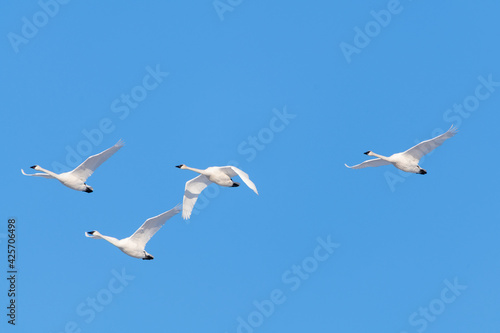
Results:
[366, 153]
[148, 257]
[91, 232]
[235, 184]
[89, 189]
[34, 166]
[179, 166]
[422, 172]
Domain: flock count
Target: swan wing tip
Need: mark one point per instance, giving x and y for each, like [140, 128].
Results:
[453, 129]
[254, 188]
[24, 173]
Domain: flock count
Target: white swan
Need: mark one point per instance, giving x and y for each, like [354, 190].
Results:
[135, 244]
[408, 160]
[76, 179]
[218, 175]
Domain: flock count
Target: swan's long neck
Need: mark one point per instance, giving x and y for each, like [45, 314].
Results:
[53, 174]
[112, 240]
[202, 172]
[379, 156]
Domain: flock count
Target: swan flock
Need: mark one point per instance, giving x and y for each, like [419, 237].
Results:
[135, 244]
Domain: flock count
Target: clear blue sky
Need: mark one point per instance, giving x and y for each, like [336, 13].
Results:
[289, 92]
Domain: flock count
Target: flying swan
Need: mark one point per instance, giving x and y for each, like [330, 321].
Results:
[408, 160]
[135, 244]
[76, 179]
[218, 175]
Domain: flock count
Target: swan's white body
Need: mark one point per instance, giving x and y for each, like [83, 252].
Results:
[218, 175]
[135, 244]
[76, 178]
[408, 160]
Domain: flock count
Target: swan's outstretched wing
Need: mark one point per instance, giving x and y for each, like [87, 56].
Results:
[85, 170]
[44, 175]
[370, 163]
[193, 188]
[426, 147]
[232, 171]
[151, 226]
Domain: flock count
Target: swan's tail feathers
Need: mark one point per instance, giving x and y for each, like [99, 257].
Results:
[235, 184]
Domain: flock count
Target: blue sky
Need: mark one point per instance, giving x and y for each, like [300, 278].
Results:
[288, 92]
